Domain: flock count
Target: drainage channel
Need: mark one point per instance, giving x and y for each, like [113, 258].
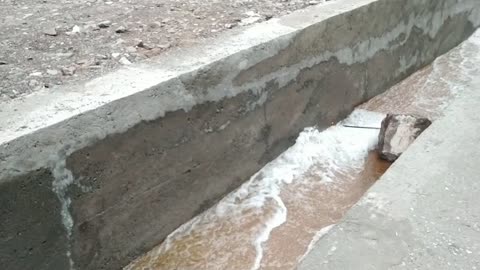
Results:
[273, 220]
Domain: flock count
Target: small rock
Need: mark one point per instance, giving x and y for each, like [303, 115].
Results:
[208, 130]
[121, 30]
[130, 49]
[3, 62]
[313, 3]
[101, 56]
[76, 29]
[52, 72]
[164, 46]
[230, 25]
[144, 45]
[63, 55]
[115, 55]
[125, 61]
[35, 74]
[104, 24]
[398, 131]
[69, 71]
[252, 18]
[50, 31]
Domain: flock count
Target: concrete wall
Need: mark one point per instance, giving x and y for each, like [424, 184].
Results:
[96, 174]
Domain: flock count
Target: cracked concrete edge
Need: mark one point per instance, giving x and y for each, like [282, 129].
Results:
[423, 213]
[48, 107]
[38, 130]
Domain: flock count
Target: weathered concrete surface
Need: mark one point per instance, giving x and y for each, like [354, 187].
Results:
[397, 133]
[31, 233]
[424, 213]
[138, 152]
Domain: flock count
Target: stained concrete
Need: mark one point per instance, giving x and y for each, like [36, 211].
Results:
[31, 232]
[424, 213]
[140, 151]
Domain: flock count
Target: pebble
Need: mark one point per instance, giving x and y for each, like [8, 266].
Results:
[249, 20]
[69, 71]
[144, 45]
[125, 61]
[121, 30]
[104, 24]
[164, 46]
[76, 29]
[102, 56]
[252, 18]
[64, 55]
[83, 62]
[130, 49]
[2, 62]
[52, 72]
[50, 31]
[36, 74]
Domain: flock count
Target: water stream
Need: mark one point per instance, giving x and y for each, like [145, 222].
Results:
[273, 219]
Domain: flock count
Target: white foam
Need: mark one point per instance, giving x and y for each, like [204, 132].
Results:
[334, 149]
[364, 118]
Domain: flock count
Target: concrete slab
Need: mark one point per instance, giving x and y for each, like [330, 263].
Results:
[424, 213]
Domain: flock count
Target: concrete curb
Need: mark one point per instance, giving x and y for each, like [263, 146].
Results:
[121, 161]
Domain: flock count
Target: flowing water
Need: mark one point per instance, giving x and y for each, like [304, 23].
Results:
[272, 220]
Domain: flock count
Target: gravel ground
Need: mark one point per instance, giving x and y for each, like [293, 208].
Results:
[45, 43]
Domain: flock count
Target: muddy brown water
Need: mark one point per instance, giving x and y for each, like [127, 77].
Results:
[326, 206]
[321, 205]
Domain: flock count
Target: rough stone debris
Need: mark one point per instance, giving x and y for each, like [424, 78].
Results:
[50, 31]
[68, 71]
[57, 33]
[398, 131]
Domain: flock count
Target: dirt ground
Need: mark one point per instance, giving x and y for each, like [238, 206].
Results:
[45, 43]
